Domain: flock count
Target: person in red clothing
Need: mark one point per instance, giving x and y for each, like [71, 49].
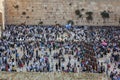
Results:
[6, 67]
[108, 66]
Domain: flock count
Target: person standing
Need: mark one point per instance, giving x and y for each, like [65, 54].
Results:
[56, 66]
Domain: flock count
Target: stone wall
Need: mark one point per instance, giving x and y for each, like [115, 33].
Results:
[0, 23]
[1, 12]
[51, 76]
[60, 11]
[1, 5]
[0, 18]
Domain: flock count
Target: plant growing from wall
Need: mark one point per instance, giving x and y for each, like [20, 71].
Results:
[105, 15]
[89, 16]
[16, 6]
[70, 4]
[40, 23]
[70, 22]
[78, 13]
[23, 13]
[27, 17]
[89, 13]
[82, 9]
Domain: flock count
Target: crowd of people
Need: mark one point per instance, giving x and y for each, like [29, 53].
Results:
[35, 48]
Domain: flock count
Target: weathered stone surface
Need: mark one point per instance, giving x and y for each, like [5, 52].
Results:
[1, 11]
[51, 76]
[0, 18]
[60, 11]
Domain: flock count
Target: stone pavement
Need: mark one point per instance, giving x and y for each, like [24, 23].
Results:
[51, 76]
